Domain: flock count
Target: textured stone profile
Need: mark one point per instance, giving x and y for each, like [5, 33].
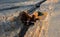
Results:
[40, 27]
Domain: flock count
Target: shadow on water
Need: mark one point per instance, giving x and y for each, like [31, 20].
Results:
[24, 18]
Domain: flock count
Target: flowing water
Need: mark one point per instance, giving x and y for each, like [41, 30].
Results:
[8, 7]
